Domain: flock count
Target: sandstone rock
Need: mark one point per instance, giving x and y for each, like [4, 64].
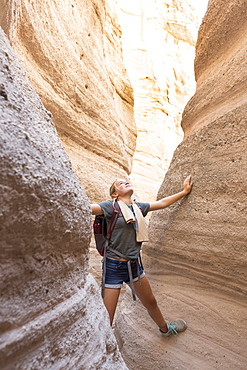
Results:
[159, 48]
[196, 257]
[219, 65]
[52, 315]
[72, 55]
[208, 227]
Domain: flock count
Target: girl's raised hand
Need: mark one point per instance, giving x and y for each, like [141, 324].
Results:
[188, 183]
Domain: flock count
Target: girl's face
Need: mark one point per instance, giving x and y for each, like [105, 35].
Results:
[123, 187]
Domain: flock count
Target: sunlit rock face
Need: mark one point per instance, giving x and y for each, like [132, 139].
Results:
[220, 68]
[72, 55]
[197, 253]
[52, 316]
[159, 49]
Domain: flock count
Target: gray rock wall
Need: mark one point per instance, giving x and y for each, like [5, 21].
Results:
[52, 314]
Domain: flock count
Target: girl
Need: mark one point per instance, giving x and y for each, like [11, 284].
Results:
[121, 261]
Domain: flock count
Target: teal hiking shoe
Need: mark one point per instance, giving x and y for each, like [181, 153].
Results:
[175, 327]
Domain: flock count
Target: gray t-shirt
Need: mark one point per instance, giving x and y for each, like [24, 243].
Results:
[124, 235]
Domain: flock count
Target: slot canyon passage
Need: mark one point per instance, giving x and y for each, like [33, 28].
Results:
[68, 127]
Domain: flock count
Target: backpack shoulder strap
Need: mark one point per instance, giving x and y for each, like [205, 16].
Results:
[115, 214]
[114, 217]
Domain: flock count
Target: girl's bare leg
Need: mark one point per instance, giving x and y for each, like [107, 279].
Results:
[110, 300]
[145, 294]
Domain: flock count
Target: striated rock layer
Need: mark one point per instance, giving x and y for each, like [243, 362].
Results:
[196, 257]
[52, 316]
[220, 67]
[159, 49]
[72, 55]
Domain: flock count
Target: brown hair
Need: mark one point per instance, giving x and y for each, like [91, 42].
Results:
[113, 188]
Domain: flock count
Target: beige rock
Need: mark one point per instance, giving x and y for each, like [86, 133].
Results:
[52, 315]
[72, 55]
[196, 257]
[219, 66]
[159, 49]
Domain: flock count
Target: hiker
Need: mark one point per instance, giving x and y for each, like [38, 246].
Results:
[122, 257]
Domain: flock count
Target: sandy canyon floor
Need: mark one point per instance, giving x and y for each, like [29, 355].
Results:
[216, 334]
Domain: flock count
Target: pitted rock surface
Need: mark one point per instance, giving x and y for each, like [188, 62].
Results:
[52, 315]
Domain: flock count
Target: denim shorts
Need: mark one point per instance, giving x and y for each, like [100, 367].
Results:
[117, 273]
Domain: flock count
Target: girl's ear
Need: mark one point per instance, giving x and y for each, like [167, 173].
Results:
[115, 194]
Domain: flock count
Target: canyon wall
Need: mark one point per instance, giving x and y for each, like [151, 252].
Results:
[72, 55]
[52, 315]
[159, 49]
[196, 256]
[197, 253]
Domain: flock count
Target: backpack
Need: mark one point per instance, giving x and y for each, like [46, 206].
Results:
[101, 234]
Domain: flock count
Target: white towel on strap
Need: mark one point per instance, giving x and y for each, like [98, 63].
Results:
[141, 226]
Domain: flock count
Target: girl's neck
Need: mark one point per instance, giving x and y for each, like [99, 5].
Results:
[126, 200]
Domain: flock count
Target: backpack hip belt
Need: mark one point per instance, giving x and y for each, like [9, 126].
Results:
[130, 261]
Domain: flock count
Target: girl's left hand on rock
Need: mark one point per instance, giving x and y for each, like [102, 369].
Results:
[188, 183]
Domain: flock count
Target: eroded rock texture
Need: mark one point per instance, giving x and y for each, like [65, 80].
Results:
[72, 54]
[196, 257]
[159, 48]
[220, 66]
[52, 316]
